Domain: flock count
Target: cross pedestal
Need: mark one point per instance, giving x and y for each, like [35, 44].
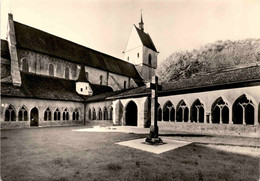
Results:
[153, 137]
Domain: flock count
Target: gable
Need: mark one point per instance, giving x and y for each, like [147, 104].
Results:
[134, 41]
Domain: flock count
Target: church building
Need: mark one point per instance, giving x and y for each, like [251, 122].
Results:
[49, 81]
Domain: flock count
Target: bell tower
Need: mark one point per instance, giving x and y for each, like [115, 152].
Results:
[141, 52]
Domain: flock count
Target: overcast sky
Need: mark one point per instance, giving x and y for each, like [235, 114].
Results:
[105, 25]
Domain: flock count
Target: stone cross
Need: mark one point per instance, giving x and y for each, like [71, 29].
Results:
[154, 130]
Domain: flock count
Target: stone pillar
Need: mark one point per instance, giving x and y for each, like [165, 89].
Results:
[256, 116]
[230, 121]
[220, 115]
[244, 115]
[15, 72]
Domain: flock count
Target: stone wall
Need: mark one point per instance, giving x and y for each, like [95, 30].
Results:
[39, 63]
[218, 129]
[41, 105]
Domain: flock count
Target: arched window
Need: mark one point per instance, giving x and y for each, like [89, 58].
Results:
[182, 112]
[111, 113]
[167, 108]
[89, 114]
[197, 112]
[105, 114]
[99, 114]
[128, 58]
[137, 55]
[220, 111]
[94, 114]
[10, 114]
[124, 84]
[47, 114]
[159, 114]
[51, 70]
[25, 65]
[150, 59]
[67, 73]
[23, 114]
[243, 111]
[100, 79]
[75, 114]
[57, 115]
[65, 115]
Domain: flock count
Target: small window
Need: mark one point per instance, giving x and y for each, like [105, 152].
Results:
[124, 84]
[81, 89]
[101, 79]
[23, 114]
[75, 115]
[47, 115]
[10, 114]
[65, 115]
[51, 70]
[150, 59]
[57, 115]
[25, 65]
[128, 58]
[67, 73]
[86, 88]
[137, 55]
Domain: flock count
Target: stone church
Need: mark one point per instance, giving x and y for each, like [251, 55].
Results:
[49, 81]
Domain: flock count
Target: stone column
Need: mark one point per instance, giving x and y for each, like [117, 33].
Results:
[256, 116]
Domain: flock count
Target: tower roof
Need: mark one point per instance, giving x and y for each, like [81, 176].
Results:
[82, 75]
[141, 24]
[146, 39]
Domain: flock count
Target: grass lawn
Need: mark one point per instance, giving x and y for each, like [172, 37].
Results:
[63, 154]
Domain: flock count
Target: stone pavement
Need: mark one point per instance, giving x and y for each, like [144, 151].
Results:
[169, 144]
[123, 129]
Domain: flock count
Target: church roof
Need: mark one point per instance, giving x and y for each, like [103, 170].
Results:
[45, 87]
[4, 49]
[146, 39]
[36, 40]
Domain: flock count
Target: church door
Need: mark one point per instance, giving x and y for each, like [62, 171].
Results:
[34, 117]
[131, 114]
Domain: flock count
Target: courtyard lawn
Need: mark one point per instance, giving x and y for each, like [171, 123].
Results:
[63, 154]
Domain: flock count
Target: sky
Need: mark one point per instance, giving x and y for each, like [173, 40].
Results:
[105, 25]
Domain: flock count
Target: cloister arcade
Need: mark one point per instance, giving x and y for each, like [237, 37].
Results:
[242, 111]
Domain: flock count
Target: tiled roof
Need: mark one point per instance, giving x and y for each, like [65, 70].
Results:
[146, 39]
[131, 93]
[45, 87]
[4, 49]
[210, 81]
[33, 39]
[217, 78]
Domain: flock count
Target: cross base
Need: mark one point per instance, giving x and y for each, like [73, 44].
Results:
[153, 138]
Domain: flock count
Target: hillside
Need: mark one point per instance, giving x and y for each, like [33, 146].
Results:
[211, 57]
